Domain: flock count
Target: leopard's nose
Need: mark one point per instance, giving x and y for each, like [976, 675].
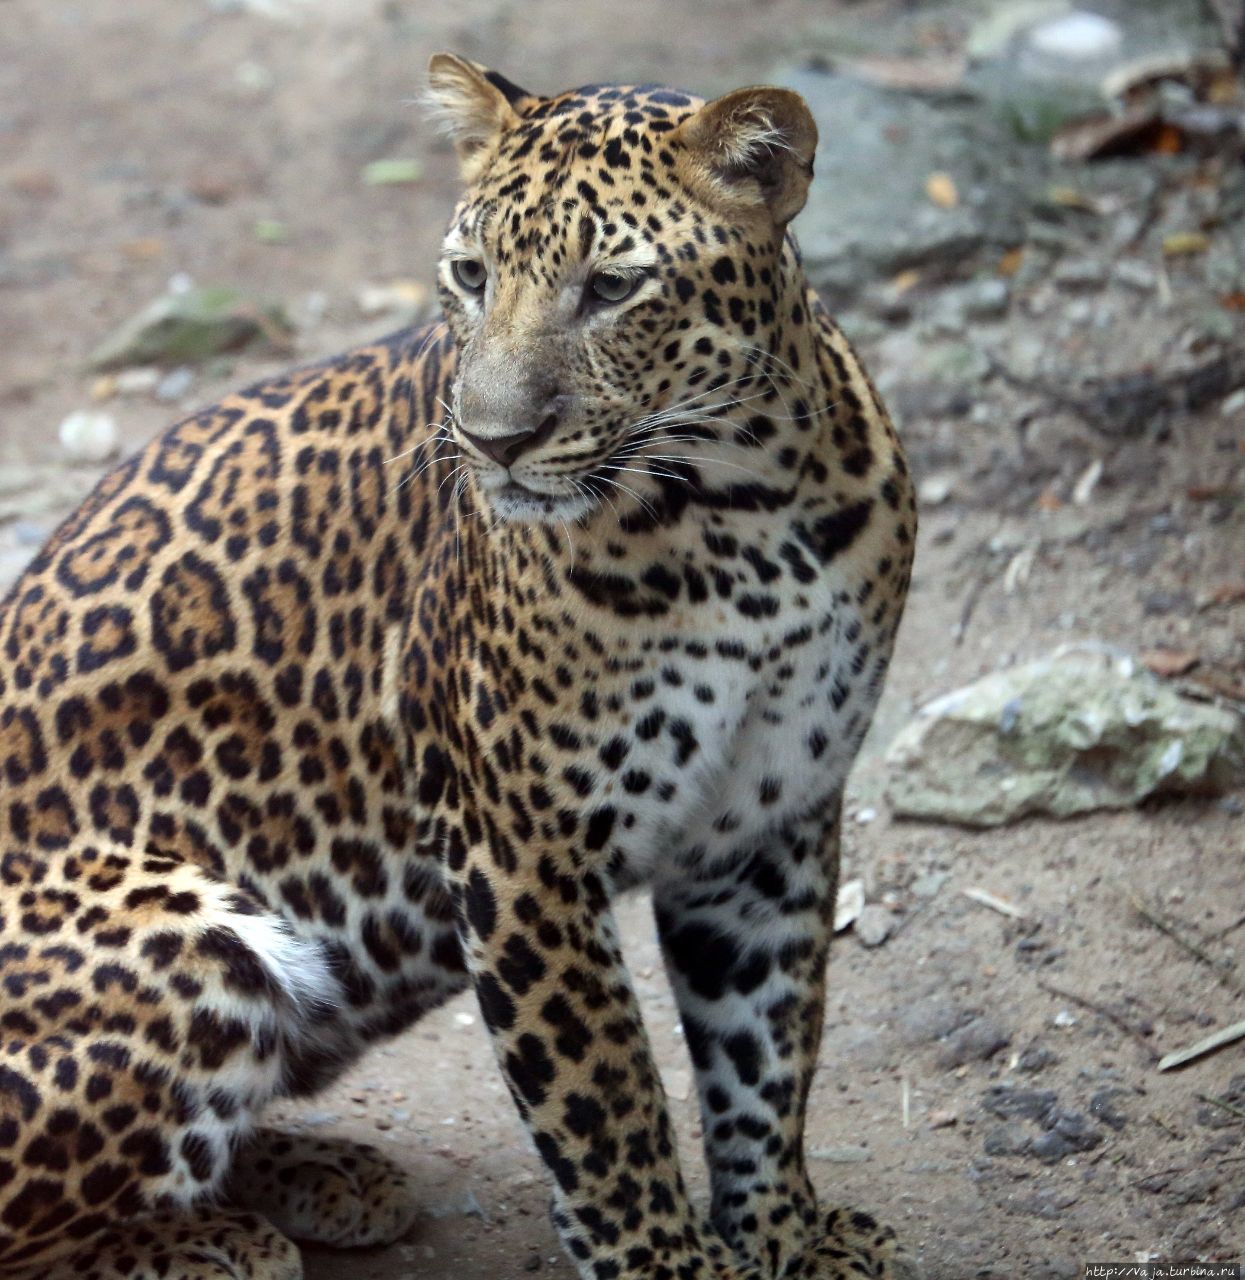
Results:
[506, 449]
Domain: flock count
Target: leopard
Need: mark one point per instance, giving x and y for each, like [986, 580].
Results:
[380, 680]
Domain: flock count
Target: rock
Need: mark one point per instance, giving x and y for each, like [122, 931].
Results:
[874, 925]
[942, 1119]
[175, 384]
[1067, 1132]
[1009, 1103]
[137, 382]
[1008, 1140]
[976, 1041]
[1102, 1107]
[986, 299]
[1076, 731]
[1079, 36]
[191, 325]
[90, 437]
[930, 883]
[1136, 275]
[934, 490]
[1080, 273]
[870, 216]
[929, 1018]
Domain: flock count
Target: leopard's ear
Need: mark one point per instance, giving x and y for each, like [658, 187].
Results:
[476, 104]
[752, 147]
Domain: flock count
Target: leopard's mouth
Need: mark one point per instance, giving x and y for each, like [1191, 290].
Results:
[514, 502]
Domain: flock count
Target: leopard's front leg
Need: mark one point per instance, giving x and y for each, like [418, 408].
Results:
[745, 935]
[555, 994]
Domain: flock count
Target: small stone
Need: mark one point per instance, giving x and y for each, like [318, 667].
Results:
[175, 384]
[464, 1019]
[985, 299]
[930, 884]
[1233, 404]
[934, 490]
[89, 437]
[1007, 1140]
[137, 382]
[533, 1263]
[1080, 274]
[678, 1083]
[1068, 1133]
[317, 1119]
[866, 816]
[1037, 1057]
[1009, 1103]
[942, 1119]
[1065, 1018]
[1136, 275]
[976, 1041]
[1102, 1107]
[929, 1019]
[28, 533]
[1156, 604]
[874, 925]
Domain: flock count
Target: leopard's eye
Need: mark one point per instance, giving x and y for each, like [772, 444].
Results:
[612, 287]
[470, 273]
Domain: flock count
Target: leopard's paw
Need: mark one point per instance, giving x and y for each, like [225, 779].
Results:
[324, 1190]
[211, 1246]
[854, 1246]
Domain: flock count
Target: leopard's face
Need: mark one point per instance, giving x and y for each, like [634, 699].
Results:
[609, 277]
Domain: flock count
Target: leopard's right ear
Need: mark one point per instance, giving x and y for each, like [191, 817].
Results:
[476, 104]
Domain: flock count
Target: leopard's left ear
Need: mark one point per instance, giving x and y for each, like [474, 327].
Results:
[478, 106]
[753, 146]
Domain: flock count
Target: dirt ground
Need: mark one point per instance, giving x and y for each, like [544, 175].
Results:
[142, 139]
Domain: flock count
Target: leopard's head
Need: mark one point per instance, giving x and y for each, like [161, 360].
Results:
[612, 278]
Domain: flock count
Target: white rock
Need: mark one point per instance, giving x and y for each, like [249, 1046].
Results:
[934, 490]
[1077, 37]
[139, 381]
[1235, 403]
[874, 925]
[90, 437]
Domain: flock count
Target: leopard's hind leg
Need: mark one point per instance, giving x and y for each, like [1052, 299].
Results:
[145, 1023]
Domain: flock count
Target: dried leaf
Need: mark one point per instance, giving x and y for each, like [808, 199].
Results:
[1217, 1040]
[1228, 593]
[1071, 198]
[1083, 490]
[1182, 243]
[849, 904]
[1169, 662]
[1001, 905]
[905, 281]
[1010, 262]
[1207, 492]
[1105, 135]
[942, 191]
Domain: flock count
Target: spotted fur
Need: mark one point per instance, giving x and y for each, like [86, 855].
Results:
[383, 677]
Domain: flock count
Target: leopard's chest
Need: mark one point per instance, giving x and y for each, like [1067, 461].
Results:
[722, 738]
